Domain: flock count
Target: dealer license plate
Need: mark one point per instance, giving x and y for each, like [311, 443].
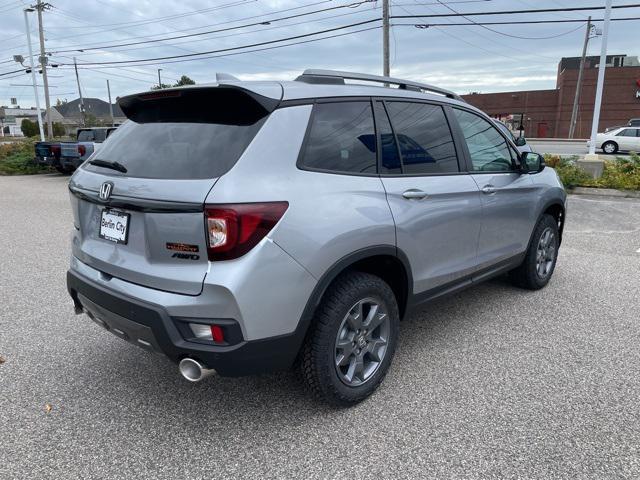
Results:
[114, 226]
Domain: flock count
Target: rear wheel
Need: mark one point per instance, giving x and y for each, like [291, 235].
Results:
[352, 341]
[540, 260]
[610, 147]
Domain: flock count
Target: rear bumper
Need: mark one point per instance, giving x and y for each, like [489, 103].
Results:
[47, 161]
[151, 327]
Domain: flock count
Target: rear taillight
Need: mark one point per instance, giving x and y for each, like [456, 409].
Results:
[82, 150]
[55, 150]
[233, 230]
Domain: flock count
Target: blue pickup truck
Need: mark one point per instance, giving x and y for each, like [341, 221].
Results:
[67, 156]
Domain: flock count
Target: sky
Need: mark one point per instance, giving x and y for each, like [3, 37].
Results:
[463, 58]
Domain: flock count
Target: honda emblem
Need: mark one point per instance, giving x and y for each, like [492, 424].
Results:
[105, 190]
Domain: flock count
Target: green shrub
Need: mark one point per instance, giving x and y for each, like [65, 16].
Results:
[58, 129]
[17, 159]
[568, 171]
[29, 128]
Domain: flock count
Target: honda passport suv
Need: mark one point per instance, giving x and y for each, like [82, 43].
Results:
[246, 227]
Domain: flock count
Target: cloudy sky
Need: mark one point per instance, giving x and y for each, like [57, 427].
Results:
[462, 58]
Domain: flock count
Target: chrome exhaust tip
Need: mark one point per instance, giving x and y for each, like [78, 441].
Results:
[193, 370]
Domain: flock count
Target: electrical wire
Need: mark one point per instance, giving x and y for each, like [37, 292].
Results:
[240, 53]
[508, 34]
[84, 49]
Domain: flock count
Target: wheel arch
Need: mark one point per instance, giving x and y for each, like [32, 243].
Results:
[371, 260]
[556, 209]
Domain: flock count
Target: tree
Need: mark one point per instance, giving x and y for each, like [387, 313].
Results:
[90, 120]
[29, 128]
[58, 130]
[184, 80]
[59, 102]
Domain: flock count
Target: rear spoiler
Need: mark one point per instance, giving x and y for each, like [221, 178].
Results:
[226, 104]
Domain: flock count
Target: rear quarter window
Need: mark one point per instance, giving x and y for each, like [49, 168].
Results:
[167, 150]
[341, 139]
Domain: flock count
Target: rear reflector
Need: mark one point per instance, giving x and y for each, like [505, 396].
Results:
[217, 333]
[233, 230]
[212, 333]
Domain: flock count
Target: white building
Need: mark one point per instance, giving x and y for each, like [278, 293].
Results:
[11, 119]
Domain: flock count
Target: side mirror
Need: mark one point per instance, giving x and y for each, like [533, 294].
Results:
[532, 162]
[520, 142]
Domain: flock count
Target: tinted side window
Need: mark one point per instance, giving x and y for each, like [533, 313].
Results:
[628, 132]
[341, 138]
[488, 149]
[426, 144]
[100, 135]
[86, 136]
[388, 146]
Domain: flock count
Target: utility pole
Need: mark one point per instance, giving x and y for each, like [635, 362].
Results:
[385, 38]
[576, 98]
[43, 63]
[159, 81]
[33, 72]
[84, 119]
[110, 106]
[600, 84]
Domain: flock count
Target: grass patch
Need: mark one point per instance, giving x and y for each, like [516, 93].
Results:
[17, 159]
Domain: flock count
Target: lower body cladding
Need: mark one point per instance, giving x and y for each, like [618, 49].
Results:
[160, 321]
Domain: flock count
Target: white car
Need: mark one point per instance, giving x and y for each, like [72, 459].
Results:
[621, 138]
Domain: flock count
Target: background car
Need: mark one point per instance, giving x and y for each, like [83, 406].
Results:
[621, 138]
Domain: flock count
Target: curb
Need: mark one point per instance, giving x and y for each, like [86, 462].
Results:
[558, 140]
[605, 192]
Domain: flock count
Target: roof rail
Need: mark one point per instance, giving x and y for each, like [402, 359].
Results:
[335, 77]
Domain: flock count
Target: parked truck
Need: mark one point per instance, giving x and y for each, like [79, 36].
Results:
[67, 156]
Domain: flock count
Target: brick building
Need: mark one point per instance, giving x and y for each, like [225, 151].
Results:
[547, 113]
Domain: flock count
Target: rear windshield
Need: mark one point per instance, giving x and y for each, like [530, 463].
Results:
[168, 150]
[97, 135]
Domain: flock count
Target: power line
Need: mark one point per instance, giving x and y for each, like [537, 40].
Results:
[241, 53]
[254, 24]
[514, 12]
[277, 27]
[506, 34]
[228, 49]
[353, 5]
[514, 22]
[14, 71]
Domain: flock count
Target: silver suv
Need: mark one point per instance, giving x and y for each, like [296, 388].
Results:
[245, 227]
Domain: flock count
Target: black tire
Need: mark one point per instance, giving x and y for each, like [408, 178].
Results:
[613, 145]
[528, 275]
[319, 357]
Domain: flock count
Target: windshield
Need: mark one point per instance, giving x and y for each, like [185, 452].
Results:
[167, 150]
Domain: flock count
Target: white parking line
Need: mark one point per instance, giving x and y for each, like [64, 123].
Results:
[638, 250]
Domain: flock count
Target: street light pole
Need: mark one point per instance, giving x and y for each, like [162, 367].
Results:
[84, 118]
[600, 84]
[576, 98]
[110, 104]
[159, 81]
[33, 73]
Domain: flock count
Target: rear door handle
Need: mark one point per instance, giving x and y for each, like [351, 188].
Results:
[488, 189]
[414, 194]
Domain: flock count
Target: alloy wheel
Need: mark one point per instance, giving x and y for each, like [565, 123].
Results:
[361, 342]
[545, 253]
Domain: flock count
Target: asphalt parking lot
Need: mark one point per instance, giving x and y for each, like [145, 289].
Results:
[493, 382]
